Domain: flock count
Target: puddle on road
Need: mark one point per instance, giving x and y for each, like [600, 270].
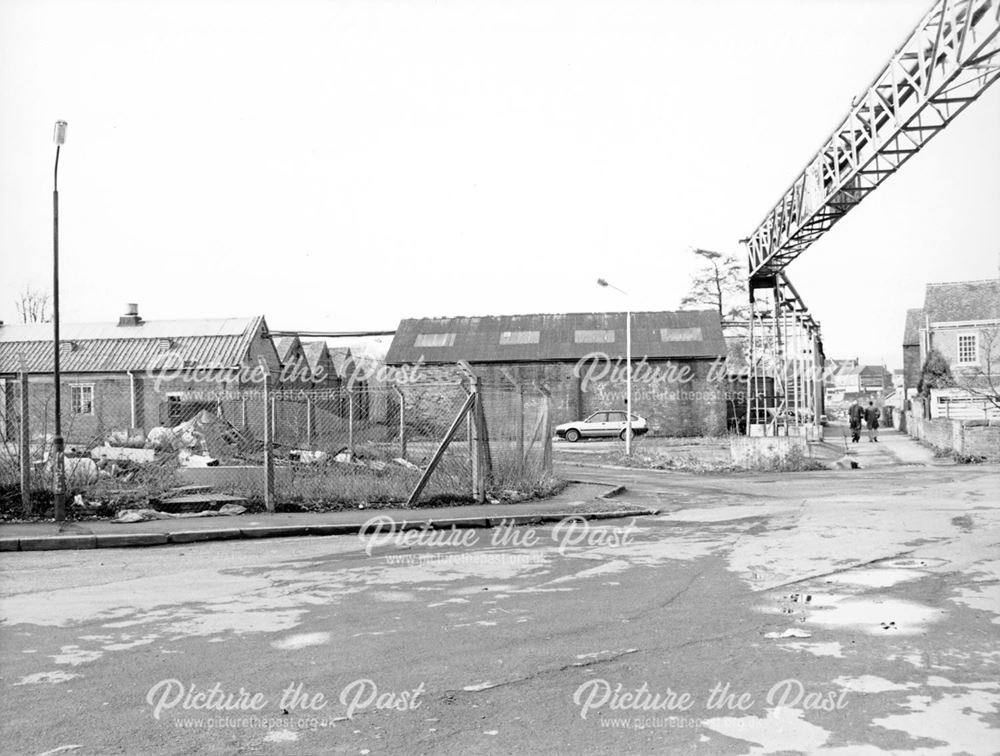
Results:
[876, 615]
[958, 719]
[302, 640]
[875, 577]
[831, 648]
[781, 730]
[727, 514]
[57, 676]
[871, 684]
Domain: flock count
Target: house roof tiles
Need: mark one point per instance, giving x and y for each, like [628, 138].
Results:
[962, 301]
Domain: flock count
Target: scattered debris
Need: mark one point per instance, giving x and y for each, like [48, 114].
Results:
[307, 457]
[122, 454]
[145, 515]
[187, 459]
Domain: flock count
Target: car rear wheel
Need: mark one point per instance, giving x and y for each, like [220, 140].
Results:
[625, 433]
[572, 435]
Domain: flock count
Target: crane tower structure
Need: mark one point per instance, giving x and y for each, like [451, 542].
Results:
[944, 64]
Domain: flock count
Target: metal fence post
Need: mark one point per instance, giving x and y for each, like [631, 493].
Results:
[268, 445]
[309, 422]
[402, 421]
[520, 423]
[350, 422]
[470, 429]
[547, 424]
[24, 439]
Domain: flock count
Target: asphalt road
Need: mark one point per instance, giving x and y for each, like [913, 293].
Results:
[847, 612]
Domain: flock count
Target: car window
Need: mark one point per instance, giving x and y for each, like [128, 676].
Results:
[616, 417]
[597, 417]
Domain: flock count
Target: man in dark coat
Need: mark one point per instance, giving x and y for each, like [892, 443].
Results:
[871, 421]
[855, 414]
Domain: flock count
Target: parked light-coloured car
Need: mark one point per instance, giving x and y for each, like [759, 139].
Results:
[603, 424]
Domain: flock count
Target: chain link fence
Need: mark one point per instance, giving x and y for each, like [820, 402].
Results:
[398, 444]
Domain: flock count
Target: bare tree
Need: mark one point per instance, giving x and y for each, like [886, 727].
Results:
[983, 379]
[721, 284]
[33, 306]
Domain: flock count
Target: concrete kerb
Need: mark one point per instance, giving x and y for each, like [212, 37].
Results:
[126, 540]
[44, 543]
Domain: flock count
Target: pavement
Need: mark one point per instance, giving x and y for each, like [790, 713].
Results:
[892, 448]
[589, 501]
[843, 612]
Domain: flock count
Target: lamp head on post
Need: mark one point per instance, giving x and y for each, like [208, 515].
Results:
[59, 133]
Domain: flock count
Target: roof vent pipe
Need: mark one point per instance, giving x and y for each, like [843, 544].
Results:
[131, 316]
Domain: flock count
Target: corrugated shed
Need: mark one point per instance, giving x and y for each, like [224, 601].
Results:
[914, 322]
[962, 301]
[107, 348]
[563, 337]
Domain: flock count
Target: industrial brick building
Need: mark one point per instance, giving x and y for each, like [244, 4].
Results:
[679, 380]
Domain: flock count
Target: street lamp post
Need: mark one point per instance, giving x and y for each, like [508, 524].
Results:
[58, 444]
[628, 365]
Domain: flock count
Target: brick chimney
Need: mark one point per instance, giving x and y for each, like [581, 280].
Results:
[131, 316]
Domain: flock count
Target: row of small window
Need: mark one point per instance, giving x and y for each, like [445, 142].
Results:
[581, 336]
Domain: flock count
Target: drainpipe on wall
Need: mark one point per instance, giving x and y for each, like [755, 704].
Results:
[133, 414]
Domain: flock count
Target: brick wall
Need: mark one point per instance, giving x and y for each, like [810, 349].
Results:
[981, 441]
[911, 366]
[956, 435]
[694, 407]
[111, 407]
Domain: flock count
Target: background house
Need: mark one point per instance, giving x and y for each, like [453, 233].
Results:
[580, 358]
[961, 320]
[133, 374]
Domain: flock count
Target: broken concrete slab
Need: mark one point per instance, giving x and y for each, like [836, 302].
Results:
[123, 453]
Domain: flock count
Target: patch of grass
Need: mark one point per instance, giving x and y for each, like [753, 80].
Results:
[795, 461]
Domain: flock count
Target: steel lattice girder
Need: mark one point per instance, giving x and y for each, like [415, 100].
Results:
[946, 63]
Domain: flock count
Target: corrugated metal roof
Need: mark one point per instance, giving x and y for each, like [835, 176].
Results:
[100, 348]
[155, 329]
[655, 335]
[962, 301]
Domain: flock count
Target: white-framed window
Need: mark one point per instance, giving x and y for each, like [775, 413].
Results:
[434, 340]
[680, 334]
[968, 349]
[519, 337]
[81, 398]
[584, 336]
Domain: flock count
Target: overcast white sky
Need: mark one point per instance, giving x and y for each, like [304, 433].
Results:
[339, 165]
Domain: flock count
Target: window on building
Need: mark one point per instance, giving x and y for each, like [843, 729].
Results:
[968, 349]
[594, 337]
[680, 334]
[519, 337]
[82, 399]
[434, 340]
